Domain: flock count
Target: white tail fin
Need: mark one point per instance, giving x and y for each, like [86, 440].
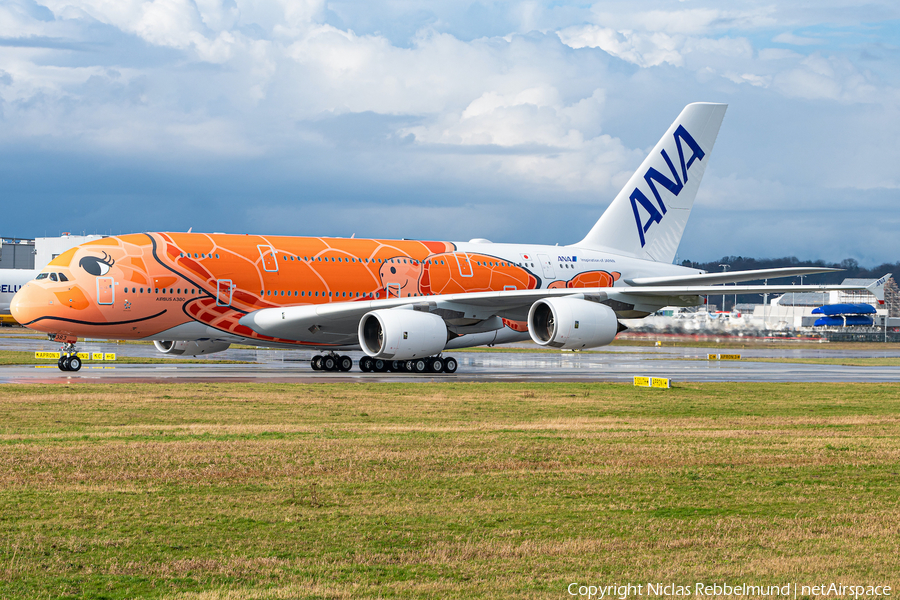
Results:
[647, 218]
[877, 288]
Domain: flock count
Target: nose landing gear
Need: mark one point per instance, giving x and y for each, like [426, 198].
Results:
[68, 360]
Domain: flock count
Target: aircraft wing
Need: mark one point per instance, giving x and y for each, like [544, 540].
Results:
[729, 276]
[334, 322]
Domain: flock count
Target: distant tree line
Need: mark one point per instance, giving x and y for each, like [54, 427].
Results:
[851, 270]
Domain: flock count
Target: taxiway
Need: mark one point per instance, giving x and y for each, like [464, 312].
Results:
[610, 364]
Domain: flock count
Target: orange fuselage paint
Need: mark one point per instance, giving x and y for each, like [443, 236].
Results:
[141, 285]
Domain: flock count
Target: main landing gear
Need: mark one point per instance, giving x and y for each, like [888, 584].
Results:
[431, 364]
[331, 362]
[336, 363]
[68, 360]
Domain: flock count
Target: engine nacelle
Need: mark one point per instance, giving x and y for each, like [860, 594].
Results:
[190, 348]
[571, 323]
[392, 334]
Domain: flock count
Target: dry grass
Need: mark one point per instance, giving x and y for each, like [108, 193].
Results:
[205, 491]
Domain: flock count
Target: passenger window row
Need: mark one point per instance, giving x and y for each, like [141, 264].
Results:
[351, 259]
[316, 294]
[493, 264]
[135, 290]
[370, 295]
[196, 255]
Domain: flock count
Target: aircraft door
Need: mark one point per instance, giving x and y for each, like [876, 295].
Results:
[547, 266]
[224, 291]
[464, 265]
[106, 291]
[269, 259]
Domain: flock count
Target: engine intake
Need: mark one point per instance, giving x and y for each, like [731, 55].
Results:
[190, 348]
[392, 334]
[571, 323]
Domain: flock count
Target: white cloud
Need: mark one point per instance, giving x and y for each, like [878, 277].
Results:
[832, 78]
[690, 21]
[645, 50]
[795, 40]
[563, 115]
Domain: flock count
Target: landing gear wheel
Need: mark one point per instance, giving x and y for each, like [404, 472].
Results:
[419, 366]
[74, 363]
[63, 363]
[380, 366]
[408, 366]
[450, 364]
[366, 364]
[329, 363]
[345, 363]
[397, 366]
[316, 363]
[437, 365]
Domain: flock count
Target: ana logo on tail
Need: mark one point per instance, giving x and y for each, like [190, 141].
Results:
[653, 176]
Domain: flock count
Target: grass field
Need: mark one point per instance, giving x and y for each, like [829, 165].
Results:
[201, 491]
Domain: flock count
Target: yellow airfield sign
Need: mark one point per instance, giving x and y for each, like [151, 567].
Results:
[81, 355]
[652, 382]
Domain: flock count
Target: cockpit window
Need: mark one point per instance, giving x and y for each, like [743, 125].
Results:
[63, 277]
[42, 275]
[53, 277]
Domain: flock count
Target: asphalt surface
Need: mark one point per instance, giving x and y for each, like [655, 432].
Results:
[609, 364]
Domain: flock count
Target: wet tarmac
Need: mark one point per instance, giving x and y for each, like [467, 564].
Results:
[610, 364]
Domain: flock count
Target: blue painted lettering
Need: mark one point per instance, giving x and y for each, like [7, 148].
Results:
[696, 152]
[655, 217]
[674, 185]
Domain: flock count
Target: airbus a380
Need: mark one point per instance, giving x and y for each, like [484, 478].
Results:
[403, 303]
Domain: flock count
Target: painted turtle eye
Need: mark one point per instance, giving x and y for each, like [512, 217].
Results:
[95, 265]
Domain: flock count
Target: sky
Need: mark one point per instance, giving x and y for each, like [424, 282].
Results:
[449, 120]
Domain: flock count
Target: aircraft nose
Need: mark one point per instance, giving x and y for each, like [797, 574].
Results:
[24, 306]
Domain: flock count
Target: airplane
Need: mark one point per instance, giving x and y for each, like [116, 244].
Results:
[404, 303]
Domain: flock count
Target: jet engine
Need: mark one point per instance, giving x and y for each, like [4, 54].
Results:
[571, 323]
[392, 334]
[190, 348]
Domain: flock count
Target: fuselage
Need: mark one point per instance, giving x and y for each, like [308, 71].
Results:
[187, 286]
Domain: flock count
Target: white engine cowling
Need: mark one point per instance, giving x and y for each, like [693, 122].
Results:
[190, 348]
[392, 334]
[571, 323]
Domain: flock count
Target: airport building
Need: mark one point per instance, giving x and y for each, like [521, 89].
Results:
[29, 254]
[791, 312]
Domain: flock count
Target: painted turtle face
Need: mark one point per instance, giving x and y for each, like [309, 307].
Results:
[95, 265]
